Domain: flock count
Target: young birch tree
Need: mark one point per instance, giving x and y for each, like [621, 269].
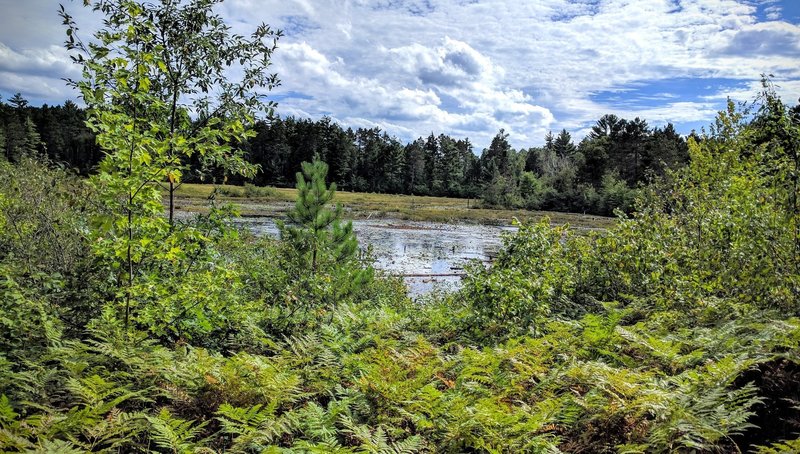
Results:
[164, 82]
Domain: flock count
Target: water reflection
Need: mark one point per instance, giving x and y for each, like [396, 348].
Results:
[427, 254]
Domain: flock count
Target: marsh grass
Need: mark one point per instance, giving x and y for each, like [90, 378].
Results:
[268, 201]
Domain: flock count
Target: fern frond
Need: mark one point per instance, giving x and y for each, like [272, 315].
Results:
[784, 447]
[254, 428]
[174, 434]
[377, 441]
[56, 446]
[7, 413]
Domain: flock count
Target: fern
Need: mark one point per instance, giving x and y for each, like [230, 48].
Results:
[57, 447]
[784, 447]
[319, 425]
[701, 412]
[7, 413]
[99, 394]
[377, 441]
[254, 428]
[12, 433]
[174, 434]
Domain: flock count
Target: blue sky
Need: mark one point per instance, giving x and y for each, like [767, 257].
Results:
[471, 67]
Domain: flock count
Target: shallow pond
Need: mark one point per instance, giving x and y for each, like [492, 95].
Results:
[427, 254]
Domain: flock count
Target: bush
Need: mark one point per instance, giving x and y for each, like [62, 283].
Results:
[253, 191]
[44, 220]
[229, 191]
[534, 277]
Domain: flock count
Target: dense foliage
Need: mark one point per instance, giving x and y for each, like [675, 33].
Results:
[677, 330]
[58, 132]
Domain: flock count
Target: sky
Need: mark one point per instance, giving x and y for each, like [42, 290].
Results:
[468, 68]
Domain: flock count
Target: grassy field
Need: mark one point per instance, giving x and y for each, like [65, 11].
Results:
[360, 205]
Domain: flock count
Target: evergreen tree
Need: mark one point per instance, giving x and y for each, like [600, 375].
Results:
[533, 160]
[346, 157]
[415, 168]
[595, 152]
[321, 251]
[666, 149]
[32, 140]
[548, 140]
[608, 125]
[2, 139]
[18, 102]
[22, 138]
[393, 162]
[563, 145]
[433, 164]
[270, 150]
[497, 156]
[16, 137]
[631, 150]
[317, 231]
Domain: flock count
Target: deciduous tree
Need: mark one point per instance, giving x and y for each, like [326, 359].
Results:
[145, 73]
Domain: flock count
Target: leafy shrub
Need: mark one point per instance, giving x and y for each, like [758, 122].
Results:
[534, 276]
[44, 221]
[229, 191]
[615, 194]
[253, 191]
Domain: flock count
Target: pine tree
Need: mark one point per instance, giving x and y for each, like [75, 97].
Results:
[563, 145]
[317, 231]
[33, 140]
[18, 102]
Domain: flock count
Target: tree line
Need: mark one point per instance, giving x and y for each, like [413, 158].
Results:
[59, 132]
[597, 175]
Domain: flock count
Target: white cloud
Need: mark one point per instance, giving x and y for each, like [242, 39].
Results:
[37, 72]
[773, 12]
[453, 63]
[471, 68]
[49, 60]
[787, 89]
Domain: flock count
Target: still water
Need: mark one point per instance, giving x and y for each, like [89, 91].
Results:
[427, 254]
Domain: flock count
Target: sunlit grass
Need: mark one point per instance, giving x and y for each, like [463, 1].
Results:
[361, 205]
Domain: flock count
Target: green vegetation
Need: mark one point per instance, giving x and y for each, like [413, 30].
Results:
[155, 66]
[600, 174]
[321, 251]
[275, 201]
[675, 330]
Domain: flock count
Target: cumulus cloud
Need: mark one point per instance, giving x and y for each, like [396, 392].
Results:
[37, 73]
[531, 66]
[450, 69]
[469, 68]
[765, 40]
[453, 63]
[38, 62]
[773, 12]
